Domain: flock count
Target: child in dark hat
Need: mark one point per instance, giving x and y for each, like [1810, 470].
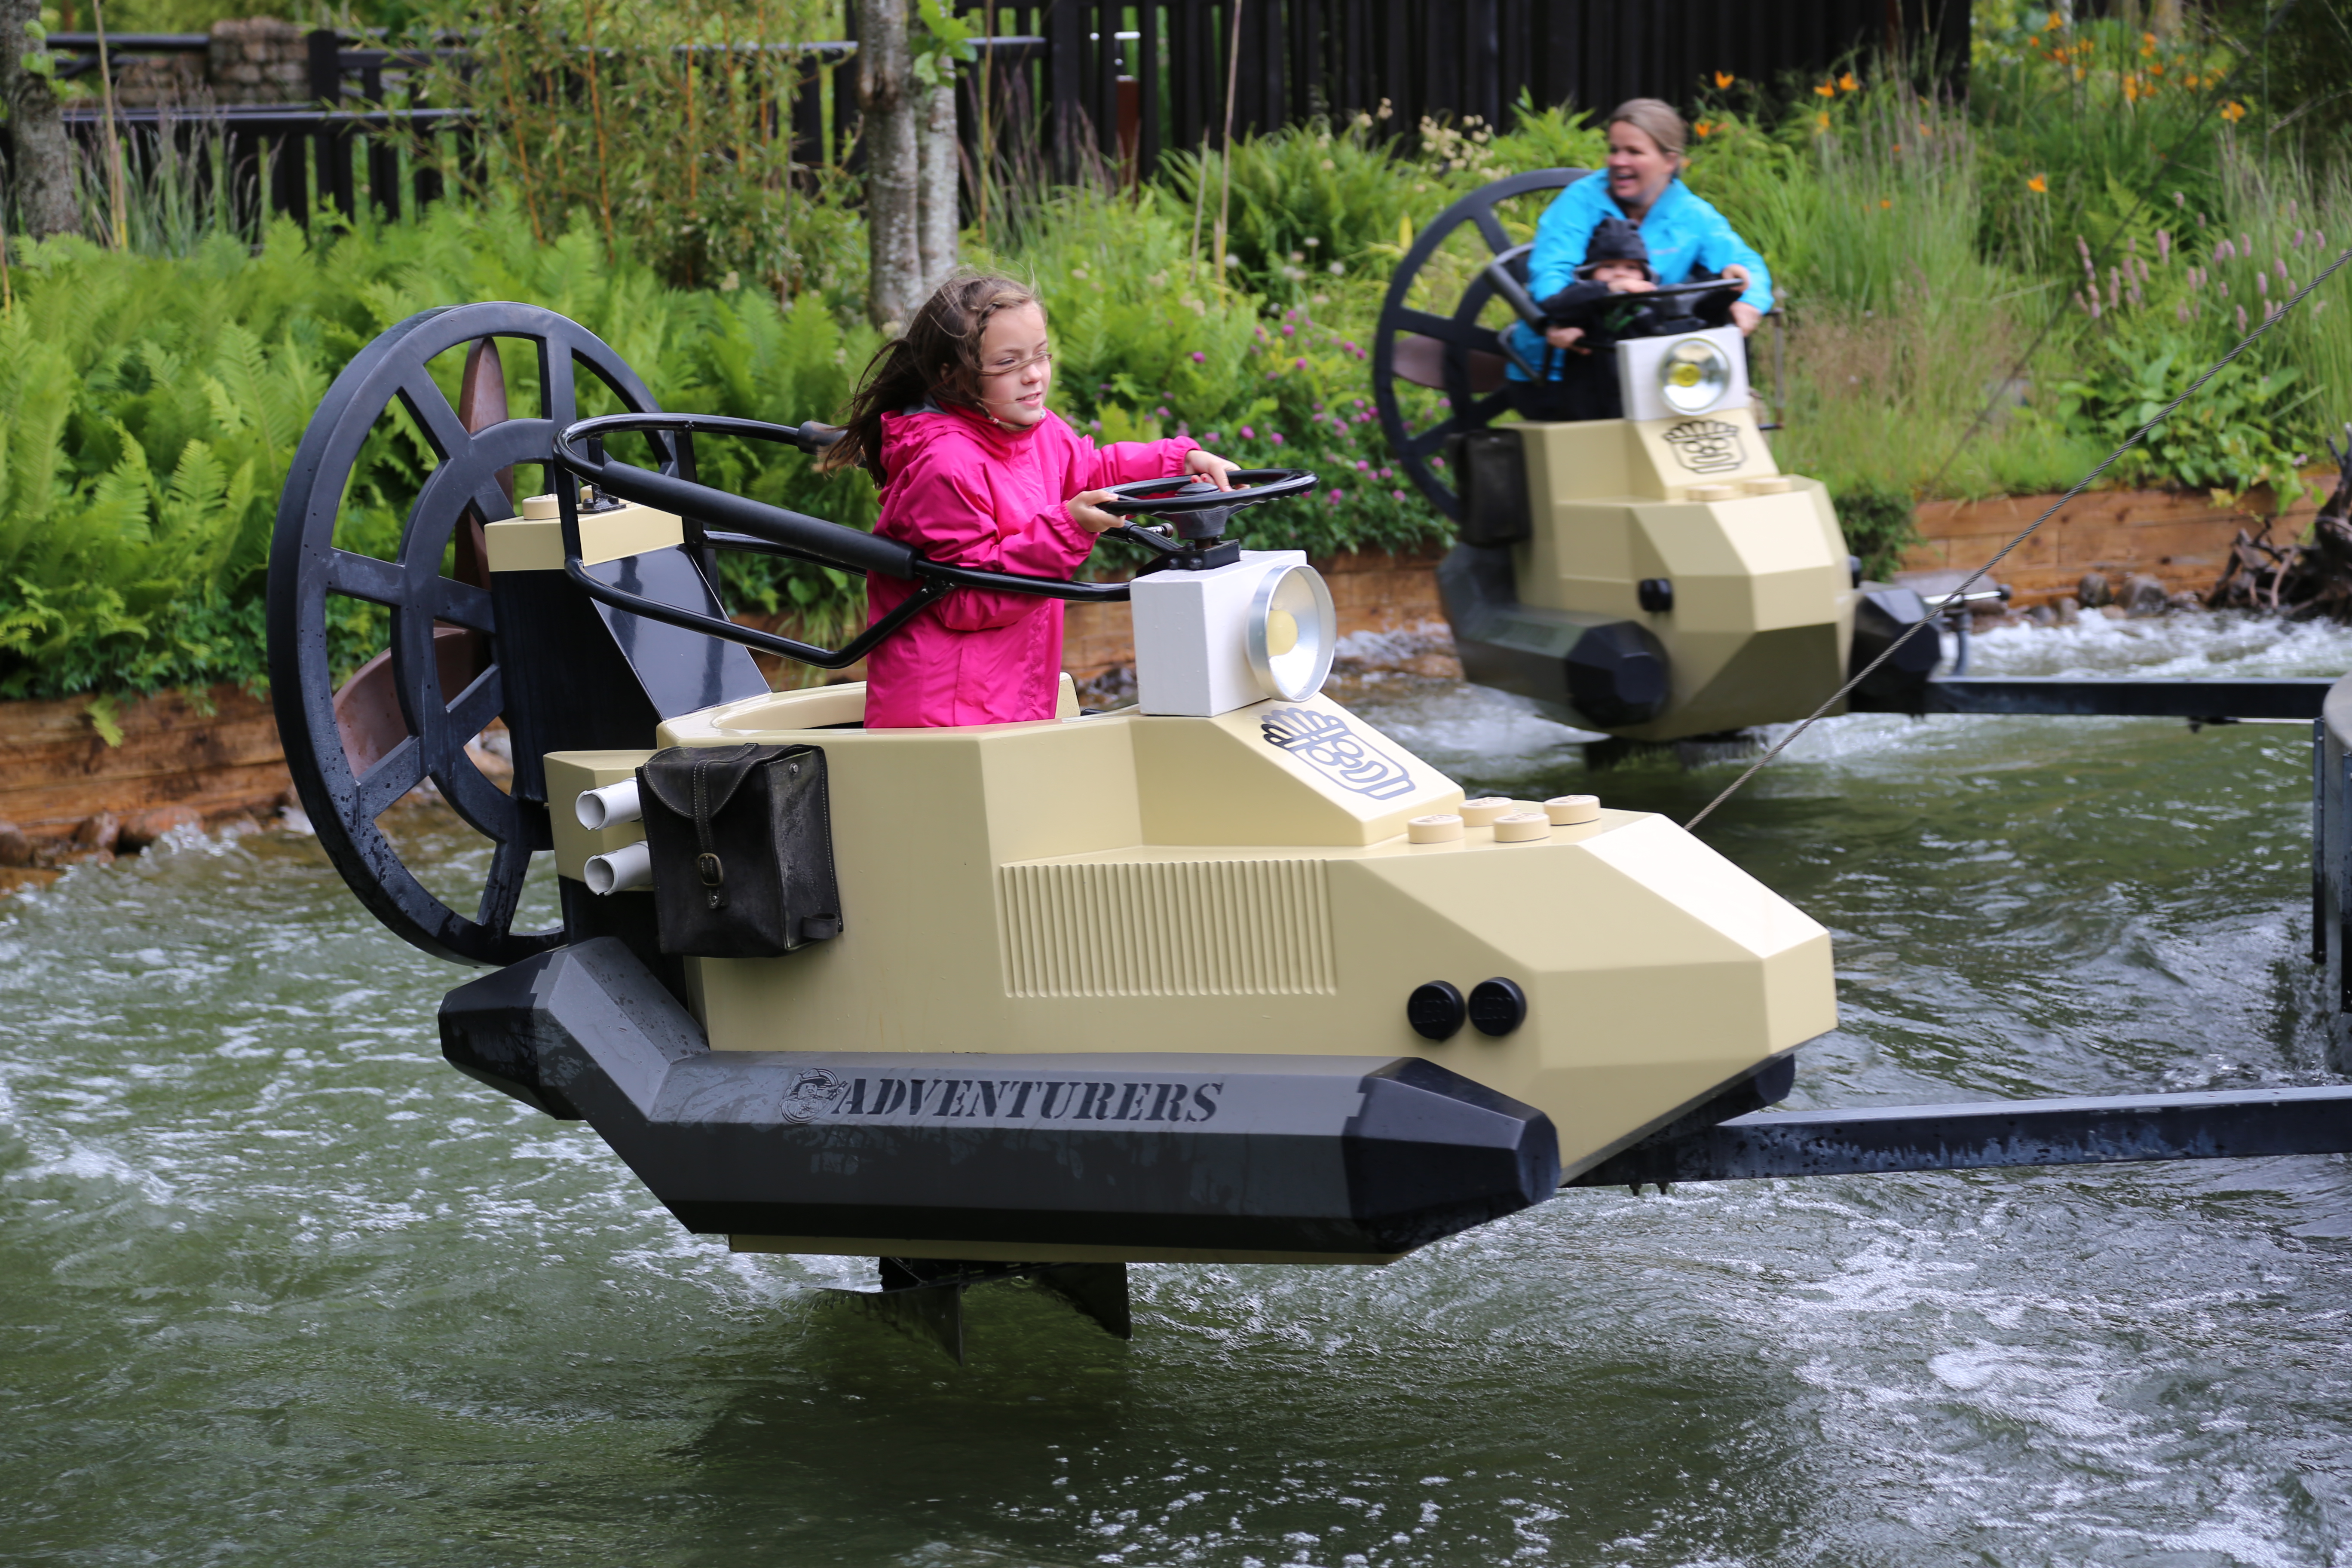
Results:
[1592, 315]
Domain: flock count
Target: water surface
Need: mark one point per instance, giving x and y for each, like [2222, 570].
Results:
[277, 1286]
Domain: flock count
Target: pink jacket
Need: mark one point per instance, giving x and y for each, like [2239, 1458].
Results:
[962, 490]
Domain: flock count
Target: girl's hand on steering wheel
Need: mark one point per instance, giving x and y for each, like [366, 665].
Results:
[1086, 511]
[1565, 338]
[1210, 467]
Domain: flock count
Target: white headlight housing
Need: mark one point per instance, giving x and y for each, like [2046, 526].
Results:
[1673, 378]
[1292, 629]
[1209, 642]
[1694, 376]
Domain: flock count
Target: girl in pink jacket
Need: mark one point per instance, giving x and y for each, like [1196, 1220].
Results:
[976, 472]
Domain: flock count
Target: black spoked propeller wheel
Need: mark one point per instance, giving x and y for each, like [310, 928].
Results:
[1452, 353]
[409, 714]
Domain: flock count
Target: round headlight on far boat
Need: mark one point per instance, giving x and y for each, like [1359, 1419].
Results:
[1693, 376]
[1294, 630]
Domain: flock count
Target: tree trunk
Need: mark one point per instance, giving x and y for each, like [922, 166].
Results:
[886, 105]
[39, 156]
[942, 186]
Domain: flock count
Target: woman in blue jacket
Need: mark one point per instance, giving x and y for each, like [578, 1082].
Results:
[1685, 237]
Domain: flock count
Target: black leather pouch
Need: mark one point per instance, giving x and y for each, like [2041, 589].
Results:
[741, 840]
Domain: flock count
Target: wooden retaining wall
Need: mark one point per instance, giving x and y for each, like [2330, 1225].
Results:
[216, 752]
[2181, 540]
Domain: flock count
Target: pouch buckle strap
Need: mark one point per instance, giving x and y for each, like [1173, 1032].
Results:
[707, 864]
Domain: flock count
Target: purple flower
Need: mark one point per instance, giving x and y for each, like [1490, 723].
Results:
[1384, 474]
[1398, 494]
[1362, 467]
[1275, 437]
[1161, 412]
[1289, 332]
[1350, 347]
[1248, 434]
[1300, 364]
[1200, 358]
[2281, 265]
[2241, 318]
[2224, 250]
[1335, 496]
[1437, 462]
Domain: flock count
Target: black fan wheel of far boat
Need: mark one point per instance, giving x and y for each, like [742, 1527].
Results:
[409, 715]
[1462, 358]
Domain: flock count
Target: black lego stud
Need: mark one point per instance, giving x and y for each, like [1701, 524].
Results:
[1656, 594]
[1497, 1005]
[1435, 1010]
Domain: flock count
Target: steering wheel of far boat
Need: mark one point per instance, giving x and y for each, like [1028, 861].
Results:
[1199, 509]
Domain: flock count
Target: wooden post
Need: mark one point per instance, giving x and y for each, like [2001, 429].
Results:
[886, 106]
[940, 196]
[40, 159]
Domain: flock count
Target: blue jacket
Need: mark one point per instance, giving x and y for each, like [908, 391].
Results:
[1684, 235]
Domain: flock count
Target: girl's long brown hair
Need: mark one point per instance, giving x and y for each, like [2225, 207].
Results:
[938, 358]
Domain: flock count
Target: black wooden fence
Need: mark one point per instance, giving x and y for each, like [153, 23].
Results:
[1129, 80]
[1150, 74]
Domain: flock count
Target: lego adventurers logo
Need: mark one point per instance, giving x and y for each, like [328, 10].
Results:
[818, 1094]
[1326, 743]
[1706, 446]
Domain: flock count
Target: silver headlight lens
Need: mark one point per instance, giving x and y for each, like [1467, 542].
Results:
[1693, 376]
[1293, 631]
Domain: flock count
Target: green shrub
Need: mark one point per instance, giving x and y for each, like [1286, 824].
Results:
[1880, 523]
[1309, 205]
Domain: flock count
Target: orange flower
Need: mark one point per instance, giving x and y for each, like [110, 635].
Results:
[1724, 79]
[2156, 69]
[2233, 111]
[1821, 121]
[1704, 127]
[1830, 91]
[2131, 90]
[2038, 185]
[1846, 82]
[2055, 22]
[1883, 204]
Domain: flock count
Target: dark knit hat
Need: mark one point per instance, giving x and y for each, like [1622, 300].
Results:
[1615, 241]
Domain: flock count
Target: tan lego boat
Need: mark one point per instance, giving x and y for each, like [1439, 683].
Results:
[1228, 975]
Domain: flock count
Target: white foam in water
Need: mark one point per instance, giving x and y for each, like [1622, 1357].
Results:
[259, 1244]
[2180, 646]
[1474, 729]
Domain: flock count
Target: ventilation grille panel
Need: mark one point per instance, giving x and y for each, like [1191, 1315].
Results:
[1168, 928]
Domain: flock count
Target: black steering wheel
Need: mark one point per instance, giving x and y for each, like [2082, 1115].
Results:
[1199, 508]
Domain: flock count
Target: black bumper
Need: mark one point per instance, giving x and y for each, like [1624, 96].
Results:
[1347, 1156]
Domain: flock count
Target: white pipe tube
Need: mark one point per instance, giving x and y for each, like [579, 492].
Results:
[609, 807]
[618, 870]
